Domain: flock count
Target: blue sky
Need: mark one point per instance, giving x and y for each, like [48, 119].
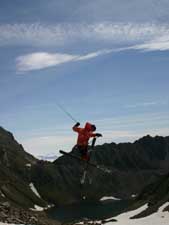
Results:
[104, 61]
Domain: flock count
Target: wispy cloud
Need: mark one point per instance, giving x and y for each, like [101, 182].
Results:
[60, 34]
[136, 120]
[129, 36]
[147, 104]
[48, 143]
[95, 54]
[158, 44]
[41, 60]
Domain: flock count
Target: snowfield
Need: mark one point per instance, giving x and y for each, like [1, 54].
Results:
[158, 218]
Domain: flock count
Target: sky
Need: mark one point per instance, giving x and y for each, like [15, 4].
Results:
[103, 61]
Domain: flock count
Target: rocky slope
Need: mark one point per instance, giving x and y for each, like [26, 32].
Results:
[16, 195]
[154, 195]
[151, 206]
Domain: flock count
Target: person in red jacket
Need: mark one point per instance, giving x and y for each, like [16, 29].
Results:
[84, 134]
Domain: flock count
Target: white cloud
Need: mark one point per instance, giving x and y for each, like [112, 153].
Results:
[60, 34]
[45, 144]
[158, 44]
[130, 36]
[142, 37]
[127, 121]
[41, 60]
[94, 54]
[145, 104]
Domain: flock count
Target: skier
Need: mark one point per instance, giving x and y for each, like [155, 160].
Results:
[84, 134]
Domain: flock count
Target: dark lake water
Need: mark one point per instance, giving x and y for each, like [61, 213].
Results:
[90, 210]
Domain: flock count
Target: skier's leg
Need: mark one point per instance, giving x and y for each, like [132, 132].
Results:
[85, 157]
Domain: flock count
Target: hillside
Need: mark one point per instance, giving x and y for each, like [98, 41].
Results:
[17, 196]
[150, 207]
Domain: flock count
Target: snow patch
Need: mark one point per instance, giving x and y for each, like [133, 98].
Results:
[160, 210]
[133, 196]
[9, 224]
[158, 218]
[39, 208]
[32, 187]
[109, 198]
[28, 165]
[2, 194]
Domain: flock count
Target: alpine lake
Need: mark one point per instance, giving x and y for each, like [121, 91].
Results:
[87, 210]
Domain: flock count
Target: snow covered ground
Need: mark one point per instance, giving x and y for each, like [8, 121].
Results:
[158, 218]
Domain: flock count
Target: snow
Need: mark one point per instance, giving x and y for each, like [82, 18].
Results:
[31, 185]
[158, 218]
[2, 194]
[109, 198]
[39, 208]
[28, 165]
[36, 207]
[133, 196]
[9, 224]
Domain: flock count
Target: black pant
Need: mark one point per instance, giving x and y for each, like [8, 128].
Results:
[83, 150]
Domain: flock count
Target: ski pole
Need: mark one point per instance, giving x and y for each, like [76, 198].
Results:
[93, 142]
[66, 112]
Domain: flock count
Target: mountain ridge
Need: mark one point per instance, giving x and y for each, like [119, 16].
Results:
[138, 167]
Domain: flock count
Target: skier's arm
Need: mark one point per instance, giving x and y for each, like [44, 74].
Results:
[99, 135]
[95, 135]
[76, 128]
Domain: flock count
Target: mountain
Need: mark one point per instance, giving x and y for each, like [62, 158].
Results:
[150, 207]
[155, 195]
[17, 193]
[14, 171]
[133, 165]
[140, 168]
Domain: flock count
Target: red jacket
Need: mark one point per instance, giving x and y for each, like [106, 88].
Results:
[84, 134]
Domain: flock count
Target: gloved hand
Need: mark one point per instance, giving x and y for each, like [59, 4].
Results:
[77, 124]
[98, 135]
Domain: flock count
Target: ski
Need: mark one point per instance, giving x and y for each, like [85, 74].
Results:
[78, 158]
[103, 169]
[82, 180]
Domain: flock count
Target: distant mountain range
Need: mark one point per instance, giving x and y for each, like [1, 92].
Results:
[48, 157]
